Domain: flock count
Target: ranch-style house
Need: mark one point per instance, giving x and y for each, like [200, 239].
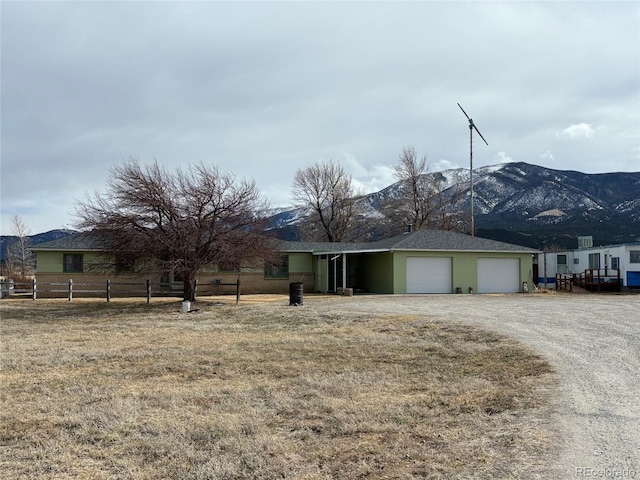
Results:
[423, 261]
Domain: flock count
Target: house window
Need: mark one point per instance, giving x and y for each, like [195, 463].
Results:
[561, 262]
[277, 270]
[72, 262]
[594, 260]
[634, 256]
[615, 263]
[168, 277]
[125, 264]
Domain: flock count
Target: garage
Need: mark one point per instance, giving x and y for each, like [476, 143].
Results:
[633, 279]
[498, 275]
[429, 275]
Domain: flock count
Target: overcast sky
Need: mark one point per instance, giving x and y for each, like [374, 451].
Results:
[262, 89]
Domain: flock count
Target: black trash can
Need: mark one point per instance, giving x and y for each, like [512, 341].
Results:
[295, 293]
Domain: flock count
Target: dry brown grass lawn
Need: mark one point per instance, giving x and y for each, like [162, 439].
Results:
[262, 390]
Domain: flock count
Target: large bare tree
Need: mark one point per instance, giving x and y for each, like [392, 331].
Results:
[20, 261]
[178, 221]
[324, 191]
[426, 200]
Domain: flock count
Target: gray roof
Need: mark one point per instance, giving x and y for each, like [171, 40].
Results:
[321, 246]
[421, 240]
[76, 242]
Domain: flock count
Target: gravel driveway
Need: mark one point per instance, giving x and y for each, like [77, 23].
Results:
[593, 342]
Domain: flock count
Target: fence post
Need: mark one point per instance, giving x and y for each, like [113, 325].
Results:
[195, 287]
[148, 291]
[108, 289]
[238, 291]
[70, 289]
[33, 289]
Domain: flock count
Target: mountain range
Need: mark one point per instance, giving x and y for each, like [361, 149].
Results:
[5, 240]
[528, 205]
[517, 202]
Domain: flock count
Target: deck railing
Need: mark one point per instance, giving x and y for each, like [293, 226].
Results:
[600, 279]
[592, 279]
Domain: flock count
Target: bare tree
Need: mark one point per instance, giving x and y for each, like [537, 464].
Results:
[427, 200]
[325, 191]
[179, 222]
[20, 261]
[449, 199]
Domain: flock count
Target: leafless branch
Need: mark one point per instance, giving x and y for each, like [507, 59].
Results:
[183, 220]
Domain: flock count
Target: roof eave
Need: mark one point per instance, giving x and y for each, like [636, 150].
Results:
[469, 250]
[337, 252]
[60, 249]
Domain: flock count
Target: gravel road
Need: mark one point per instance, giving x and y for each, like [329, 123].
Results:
[593, 342]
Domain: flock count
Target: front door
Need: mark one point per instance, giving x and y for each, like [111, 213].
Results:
[335, 273]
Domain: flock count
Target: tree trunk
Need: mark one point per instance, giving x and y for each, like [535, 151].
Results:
[188, 292]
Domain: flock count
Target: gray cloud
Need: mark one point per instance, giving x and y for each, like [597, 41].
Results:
[264, 88]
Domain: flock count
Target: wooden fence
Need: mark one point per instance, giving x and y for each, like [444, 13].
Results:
[109, 289]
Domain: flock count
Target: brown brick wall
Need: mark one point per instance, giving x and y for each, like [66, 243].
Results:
[253, 283]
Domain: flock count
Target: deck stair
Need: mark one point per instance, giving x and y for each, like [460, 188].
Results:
[565, 281]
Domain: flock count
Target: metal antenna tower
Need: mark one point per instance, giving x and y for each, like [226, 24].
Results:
[472, 126]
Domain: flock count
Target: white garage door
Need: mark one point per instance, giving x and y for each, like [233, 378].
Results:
[428, 274]
[498, 275]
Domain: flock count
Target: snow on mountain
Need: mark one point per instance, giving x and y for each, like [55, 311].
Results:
[515, 202]
[534, 200]
[550, 213]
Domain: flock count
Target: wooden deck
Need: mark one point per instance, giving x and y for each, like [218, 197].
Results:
[592, 280]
